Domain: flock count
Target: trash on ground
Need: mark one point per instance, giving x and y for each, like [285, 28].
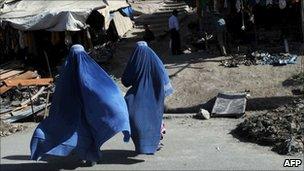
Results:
[281, 128]
[229, 104]
[7, 129]
[260, 58]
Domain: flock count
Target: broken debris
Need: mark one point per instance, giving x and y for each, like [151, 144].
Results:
[281, 128]
[8, 129]
[229, 104]
[23, 93]
[260, 58]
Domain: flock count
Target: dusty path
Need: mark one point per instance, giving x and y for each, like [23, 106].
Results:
[189, 144]
[197, 77]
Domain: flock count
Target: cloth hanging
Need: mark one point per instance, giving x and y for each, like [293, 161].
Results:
[225, 4]
[55, 38]
[238, 5]
[150, 84]
[268, 2]
[282, 4]
[87, 110]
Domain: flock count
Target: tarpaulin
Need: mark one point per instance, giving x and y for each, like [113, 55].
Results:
[49, 15]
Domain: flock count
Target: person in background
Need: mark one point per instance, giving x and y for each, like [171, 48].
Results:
[201, 12]
[150, 84]
[174, 31]
[87, 110]
[221, 33]
[148, 35]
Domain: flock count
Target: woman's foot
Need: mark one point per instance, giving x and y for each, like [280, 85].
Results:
[160, 146]
[86, 163]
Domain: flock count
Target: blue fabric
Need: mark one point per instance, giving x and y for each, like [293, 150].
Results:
[149, 82]
[87, 109]
[128, 11]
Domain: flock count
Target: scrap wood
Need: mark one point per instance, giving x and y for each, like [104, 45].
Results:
[26, 75]
[5, 111]
[10, 66]
[33, 97]
[24, 113]
[2, 71]
[10, 74]
[18, 108]
[11, 111]
[28, 82]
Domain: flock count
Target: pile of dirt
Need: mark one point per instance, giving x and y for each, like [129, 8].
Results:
[8, 129]
[281, 128]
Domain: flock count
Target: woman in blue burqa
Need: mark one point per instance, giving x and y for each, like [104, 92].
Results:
[150, 84]
[87, 110]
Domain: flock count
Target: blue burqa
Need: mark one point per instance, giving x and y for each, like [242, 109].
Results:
[87, 109]
[150, 84]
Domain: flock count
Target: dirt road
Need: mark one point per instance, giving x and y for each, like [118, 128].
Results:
[189, 145]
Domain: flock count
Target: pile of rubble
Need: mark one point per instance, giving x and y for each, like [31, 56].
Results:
[281, 128]
[22, 93]
[8, 129]
[260, 58]
[237, 60]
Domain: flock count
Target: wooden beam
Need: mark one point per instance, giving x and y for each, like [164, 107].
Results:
[33, 97]
[26, 75]
[28, 82]
[10, 74]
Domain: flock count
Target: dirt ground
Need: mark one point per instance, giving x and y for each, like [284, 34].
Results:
[198, 77]
[189, 144]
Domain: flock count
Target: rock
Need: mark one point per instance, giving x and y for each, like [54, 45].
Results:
[203, 114]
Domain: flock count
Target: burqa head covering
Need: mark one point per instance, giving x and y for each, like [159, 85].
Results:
[150, 84]
[87, 109]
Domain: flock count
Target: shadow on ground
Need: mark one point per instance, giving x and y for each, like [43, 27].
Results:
[253, 104]
[119, 157]
[71, 162]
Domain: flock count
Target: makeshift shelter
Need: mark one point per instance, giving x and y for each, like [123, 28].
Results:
[114, 12]
[66, 15]
[28, 26]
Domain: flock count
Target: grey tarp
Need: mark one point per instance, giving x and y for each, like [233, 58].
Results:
[122, 23]
[49, 15]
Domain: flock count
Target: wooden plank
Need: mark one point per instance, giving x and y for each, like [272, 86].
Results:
[28, 82]
[2, 71]
[26, 75]
[24, 113]
[13, 65]
[33, 97]
[10, 74]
